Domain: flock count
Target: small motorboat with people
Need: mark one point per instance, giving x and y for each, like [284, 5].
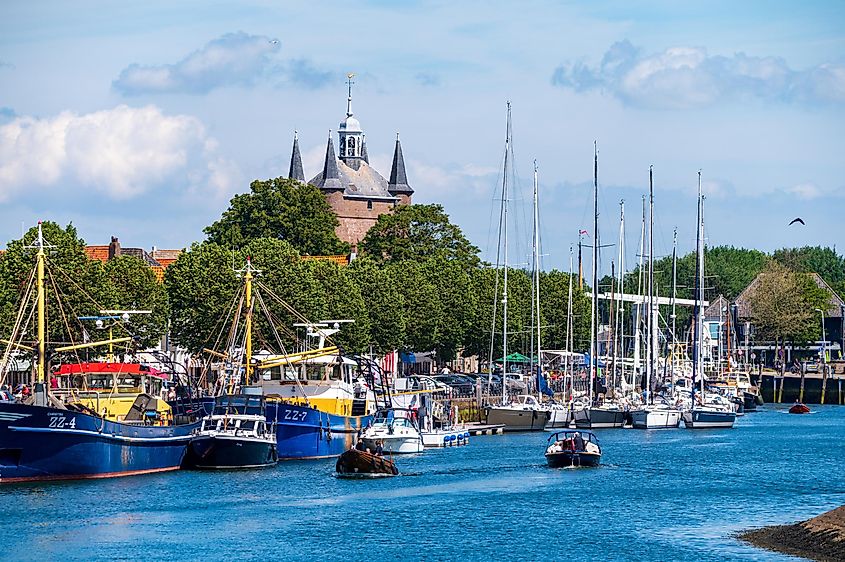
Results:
[573, 449]
[359, 462]
[234, 435]
[799, 408]
[395, 430]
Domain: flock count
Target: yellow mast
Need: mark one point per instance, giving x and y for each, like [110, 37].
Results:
[41, 368]
[248, 327]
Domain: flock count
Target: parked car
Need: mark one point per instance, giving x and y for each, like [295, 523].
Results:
[461, 386]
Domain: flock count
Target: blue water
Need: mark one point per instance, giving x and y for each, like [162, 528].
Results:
[660, 495]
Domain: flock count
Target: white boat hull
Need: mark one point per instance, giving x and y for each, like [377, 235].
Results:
[559, 419]
[598, 418]
[656, 418]
[396, 445]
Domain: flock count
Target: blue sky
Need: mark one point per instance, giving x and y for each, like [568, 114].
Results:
[141, 120]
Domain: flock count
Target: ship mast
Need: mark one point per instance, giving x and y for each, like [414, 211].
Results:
[41, 367]
[595, 309]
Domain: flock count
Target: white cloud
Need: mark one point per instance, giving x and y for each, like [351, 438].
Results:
[682, 77]
[234, 59]
[805, 191]
[121, 153]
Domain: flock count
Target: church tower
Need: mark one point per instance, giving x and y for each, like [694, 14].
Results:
[356, 192]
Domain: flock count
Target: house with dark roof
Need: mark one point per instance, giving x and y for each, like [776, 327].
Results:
[356, 192]
[157, 259]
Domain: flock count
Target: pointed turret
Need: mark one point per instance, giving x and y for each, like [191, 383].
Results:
[398, 184]
[296, 172]
[330, 178]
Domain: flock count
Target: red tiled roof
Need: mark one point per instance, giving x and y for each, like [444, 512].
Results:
[100, 253]
[342, 260]
[159, 272]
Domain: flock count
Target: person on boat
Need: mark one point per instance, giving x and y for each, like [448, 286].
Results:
[360, 445]
[54, 382]
[379, 449]
[578, 441]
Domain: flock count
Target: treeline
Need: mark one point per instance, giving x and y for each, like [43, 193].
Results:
[417, 283]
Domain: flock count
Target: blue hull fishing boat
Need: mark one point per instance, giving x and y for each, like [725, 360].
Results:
[303, 432]
[45, 443]
[93, 420]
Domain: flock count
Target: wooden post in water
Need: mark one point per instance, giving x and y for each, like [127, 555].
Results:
[824, 382]
[801, 392]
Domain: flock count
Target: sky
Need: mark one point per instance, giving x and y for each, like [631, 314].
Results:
[141, 120]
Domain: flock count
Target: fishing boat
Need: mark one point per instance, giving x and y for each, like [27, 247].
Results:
[355, 463]
[799, 408]
[395, 431]
[234, 435]
[573, 449]
[119, 428]
[703, 414]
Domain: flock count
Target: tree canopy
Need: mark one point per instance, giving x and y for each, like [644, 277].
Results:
[417, 232]
[280, 208]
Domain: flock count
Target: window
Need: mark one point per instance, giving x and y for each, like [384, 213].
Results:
[369, 205]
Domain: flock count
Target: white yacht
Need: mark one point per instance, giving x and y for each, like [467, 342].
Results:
[395, 431]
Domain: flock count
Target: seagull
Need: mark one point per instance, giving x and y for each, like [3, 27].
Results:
[274, 41]
[797, 219]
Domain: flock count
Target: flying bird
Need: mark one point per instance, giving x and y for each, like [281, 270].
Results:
[274, 41]
[797, 219]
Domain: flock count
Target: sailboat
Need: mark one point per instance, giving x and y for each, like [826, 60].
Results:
[607, 414]
[527, 414]
[702, 415]
[57, 435]
[654, 414]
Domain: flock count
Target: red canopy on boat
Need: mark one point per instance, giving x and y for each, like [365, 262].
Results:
[110, 368]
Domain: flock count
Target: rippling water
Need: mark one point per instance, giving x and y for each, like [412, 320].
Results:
[660, 495]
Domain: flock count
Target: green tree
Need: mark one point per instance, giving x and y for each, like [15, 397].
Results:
[343, 301]
[814, 259]
[782, 305]
[554, 302]
[422, 307]
[284, 209]
[453, 283]
[74, 286]
[384, 302]
[136, 288]
[417, 232]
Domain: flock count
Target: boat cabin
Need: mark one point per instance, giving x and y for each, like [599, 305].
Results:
[125, 392]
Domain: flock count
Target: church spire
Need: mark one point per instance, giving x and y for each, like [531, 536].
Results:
[331, 174]
[398, 183]
[349, 83]
[296, 172]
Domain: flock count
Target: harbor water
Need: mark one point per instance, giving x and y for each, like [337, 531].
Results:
[659, 495]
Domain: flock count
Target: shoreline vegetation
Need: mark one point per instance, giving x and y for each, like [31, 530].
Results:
[820, 538]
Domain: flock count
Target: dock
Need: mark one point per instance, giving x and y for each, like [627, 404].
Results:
[477, 428]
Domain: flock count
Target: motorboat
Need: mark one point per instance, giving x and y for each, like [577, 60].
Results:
[799, 408]
[235, 435]
[356, 463]
[396, 432]
[524, 413]
[573, 449]
[444, 437]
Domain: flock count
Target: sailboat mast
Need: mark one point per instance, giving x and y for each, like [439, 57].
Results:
[505, 236]
[595, 309]
[696, 351]
[638, 317]
[619, 329]
[569, 337]
[652, 333]
[674, 293]
[537, 279]
[41, 367]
